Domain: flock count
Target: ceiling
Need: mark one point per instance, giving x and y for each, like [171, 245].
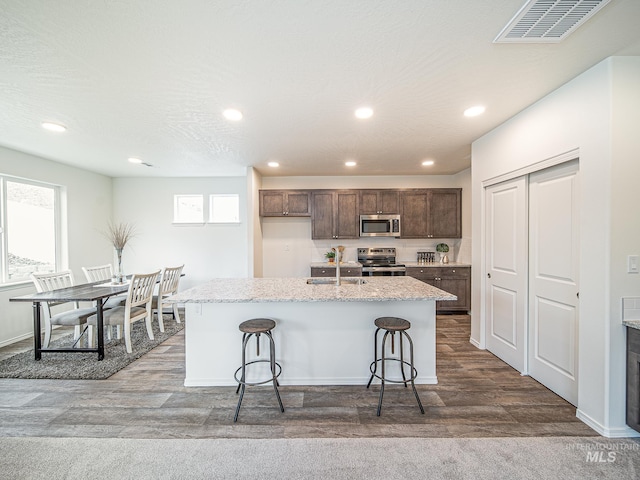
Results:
[150, 79]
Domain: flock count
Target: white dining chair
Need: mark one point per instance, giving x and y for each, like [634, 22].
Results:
[137, 307]
[100, 272]
[76, 317]
[168, 286]
[105, 272]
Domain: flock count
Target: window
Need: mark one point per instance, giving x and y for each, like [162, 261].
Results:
[224, 208]
[188, 209]
[30, 233]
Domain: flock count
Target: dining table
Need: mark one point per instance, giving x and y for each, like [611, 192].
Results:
[97, 292]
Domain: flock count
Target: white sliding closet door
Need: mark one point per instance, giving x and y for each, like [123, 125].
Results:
[506, 270]
[553, 279]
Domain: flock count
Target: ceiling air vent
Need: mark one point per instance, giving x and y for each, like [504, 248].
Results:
[548, 21]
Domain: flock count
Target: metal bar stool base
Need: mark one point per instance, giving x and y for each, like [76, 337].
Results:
[276, 370]
[373, 367]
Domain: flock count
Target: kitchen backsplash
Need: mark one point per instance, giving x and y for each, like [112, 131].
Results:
[288, 251]
[406, 250]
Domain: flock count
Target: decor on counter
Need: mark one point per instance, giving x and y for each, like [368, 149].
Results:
[338, 252]
[443, 249]
[119, 234]
[426, 257]
[84, 366]
[330, 256]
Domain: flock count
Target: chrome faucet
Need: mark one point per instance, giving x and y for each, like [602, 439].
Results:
[338, 251]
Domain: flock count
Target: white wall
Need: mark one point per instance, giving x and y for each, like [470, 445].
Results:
[254, 182]
[288, 248]
[208, 251]
[88, 208]
[579, 116]
[625, 222]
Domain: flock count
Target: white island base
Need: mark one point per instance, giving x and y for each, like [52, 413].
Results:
[317, 343]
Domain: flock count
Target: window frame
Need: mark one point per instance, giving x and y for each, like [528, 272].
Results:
[5, 230]
[176, 198]
[212, 197]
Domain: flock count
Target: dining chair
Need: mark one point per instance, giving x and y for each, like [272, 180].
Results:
[76, 317]
[100, 272]
[105, 272]
[137, 307]
[168, 286]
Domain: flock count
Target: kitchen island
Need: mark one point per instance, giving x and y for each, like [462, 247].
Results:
[324, 333]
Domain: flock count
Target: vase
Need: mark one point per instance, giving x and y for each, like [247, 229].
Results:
[119, 276]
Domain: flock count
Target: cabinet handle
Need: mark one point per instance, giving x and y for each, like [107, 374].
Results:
[488, 275]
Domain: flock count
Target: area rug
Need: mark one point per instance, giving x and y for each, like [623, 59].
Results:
[85, 366]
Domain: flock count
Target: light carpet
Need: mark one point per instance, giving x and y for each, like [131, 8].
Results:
[408, 458]
[85, 366]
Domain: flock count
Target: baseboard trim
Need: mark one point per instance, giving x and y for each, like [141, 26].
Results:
[16, 339]
[619, 432]
[225, 382]
[475, 343]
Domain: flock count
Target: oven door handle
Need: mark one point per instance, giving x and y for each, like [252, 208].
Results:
[383, 269]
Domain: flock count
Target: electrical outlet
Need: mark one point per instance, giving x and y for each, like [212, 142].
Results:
[632, 264]
[286, 247]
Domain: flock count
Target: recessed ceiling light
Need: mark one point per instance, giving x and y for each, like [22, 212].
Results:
[364, 112]
[428, 163]
[232, 114]
[474, 111]
[273, 164]
[350, 163]
[135, 160]
[54, 127]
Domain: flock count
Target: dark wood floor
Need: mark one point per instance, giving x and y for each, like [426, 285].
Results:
[477, 396]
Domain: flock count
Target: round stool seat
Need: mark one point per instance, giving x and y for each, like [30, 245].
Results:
[257, 325]
[393, 324]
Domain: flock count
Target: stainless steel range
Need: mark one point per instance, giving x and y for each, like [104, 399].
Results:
[380, 262]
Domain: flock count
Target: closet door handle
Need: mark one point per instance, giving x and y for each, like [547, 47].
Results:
[488, 275]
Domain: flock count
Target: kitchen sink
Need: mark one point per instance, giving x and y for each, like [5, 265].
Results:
[332, 281]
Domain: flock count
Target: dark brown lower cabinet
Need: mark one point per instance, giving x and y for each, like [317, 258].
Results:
[331, 271]
[633, 378]
[455, 280]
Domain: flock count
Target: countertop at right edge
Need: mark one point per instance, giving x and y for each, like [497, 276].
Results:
[632, 324]
[434, 264]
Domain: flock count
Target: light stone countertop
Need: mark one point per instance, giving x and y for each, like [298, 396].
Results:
[632, 324]
[259, 290]
[434, 264]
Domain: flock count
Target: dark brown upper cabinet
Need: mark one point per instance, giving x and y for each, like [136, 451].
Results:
[285, 203]
[335, 214]
[431, 213]
[373, 202]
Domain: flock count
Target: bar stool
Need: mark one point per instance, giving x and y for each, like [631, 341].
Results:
[391, 325]
[257, 326]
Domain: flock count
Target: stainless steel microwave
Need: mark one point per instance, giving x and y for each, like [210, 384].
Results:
[379, 225]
